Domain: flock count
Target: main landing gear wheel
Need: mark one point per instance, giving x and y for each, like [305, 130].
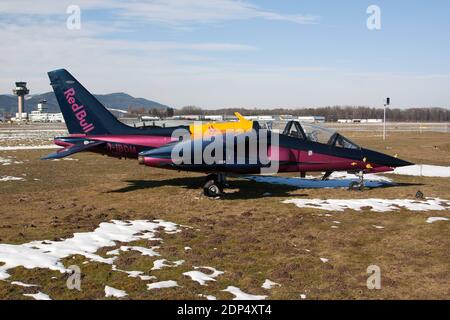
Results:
[213, 187]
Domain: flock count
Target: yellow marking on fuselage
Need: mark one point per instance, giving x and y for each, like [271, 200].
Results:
[212, 128]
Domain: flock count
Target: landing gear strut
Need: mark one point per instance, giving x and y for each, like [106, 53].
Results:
[357, 185]
[214, 185]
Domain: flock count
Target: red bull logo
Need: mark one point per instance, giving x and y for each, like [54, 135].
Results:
[78, 110]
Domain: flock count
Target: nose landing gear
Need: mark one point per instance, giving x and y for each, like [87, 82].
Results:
[357, 185]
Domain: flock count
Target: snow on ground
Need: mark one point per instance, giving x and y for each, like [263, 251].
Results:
[423, 170]
[38, 296]
[434, 219]
[337, 180]
[27, 136]
[43, 147]
[201, 277]
[161, 263]
[134, 274]
[11, 178]
[21, 284]
[240, 295]
[324, 260]
[378, 205]
[162, 285]
[268, 284]
[144, 251]
[9, 160]
[48, 254]
[112, 292]
[208, 297]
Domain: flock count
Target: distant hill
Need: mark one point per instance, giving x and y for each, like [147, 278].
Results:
[121, 101]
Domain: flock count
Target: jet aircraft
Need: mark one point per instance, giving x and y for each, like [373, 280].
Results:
[299, 148]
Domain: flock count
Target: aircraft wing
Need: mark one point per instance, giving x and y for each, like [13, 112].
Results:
[67, 151]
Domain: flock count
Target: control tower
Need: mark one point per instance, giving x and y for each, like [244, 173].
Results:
[20, 91]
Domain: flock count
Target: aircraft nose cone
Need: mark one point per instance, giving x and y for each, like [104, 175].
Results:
[384, 159]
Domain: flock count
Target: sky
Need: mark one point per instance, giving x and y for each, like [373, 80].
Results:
[230, 53]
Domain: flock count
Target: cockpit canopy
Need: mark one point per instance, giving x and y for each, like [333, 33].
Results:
[311, 132]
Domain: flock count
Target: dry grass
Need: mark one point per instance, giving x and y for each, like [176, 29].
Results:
[249, 236]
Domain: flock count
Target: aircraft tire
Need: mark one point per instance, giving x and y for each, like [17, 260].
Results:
[355, 186]
[212, 189]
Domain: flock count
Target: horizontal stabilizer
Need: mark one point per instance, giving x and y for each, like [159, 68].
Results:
[73, 149]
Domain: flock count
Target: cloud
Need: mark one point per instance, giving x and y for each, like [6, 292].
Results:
[206, 73]
[171, 12]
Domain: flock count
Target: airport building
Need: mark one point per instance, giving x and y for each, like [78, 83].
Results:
[41, 114]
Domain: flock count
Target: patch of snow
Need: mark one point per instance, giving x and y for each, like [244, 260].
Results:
[11, 178]
[187, 248]
[423, 170]
[114, 252]
[240, 295]
[21, 284]
[303, 296]
[201, 277]
[367, 176]
[378, 205]
[161, 263]
[8, 161]
[208, 297]
[377, 227]
[134, 274]
[434, 219]
[49, 146]
[116, 293]
[162, 285]
[144, 251]
[324, 260]
[268, 284]
[48, 254]
[38, 296]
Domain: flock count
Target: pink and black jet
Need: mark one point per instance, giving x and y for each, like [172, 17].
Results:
[299, 148]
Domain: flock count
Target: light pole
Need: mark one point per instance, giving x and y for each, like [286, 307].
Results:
[388, 102]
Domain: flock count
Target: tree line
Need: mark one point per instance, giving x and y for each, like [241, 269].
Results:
[333, 113]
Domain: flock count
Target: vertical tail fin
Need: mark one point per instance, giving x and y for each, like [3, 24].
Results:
[83, 113]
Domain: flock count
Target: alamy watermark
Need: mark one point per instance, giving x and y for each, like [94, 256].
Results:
[374, 280]
[73, 21]
[374, 19]
[74, 280]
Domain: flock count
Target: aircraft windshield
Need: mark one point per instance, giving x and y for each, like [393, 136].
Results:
[318, 134]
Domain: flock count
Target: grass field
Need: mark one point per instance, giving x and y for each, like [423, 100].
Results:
[249, 234]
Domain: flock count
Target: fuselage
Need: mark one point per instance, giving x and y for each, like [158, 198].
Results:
[291, 154]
